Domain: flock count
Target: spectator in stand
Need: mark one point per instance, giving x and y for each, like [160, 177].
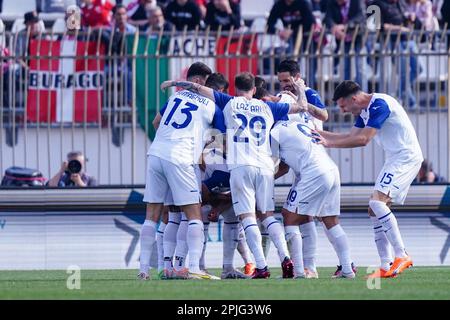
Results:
[163, 3]
[445, 12]
[293, 14]
[156, 20]
[427, 175]
[32, 25]
[320, 6]
[96, 13]
[72, 173]
[4, 73]
[223, 13]
[183, 13]
[120, 68]
[121, 28]
[420, 14]
[342, 13]
[392, 16]
[202, 6]
[138, 12]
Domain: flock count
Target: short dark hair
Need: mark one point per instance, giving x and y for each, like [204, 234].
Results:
[117, 7]
[198, 69]
[345, 89]
[290, 66]
[260, 93]
[426, 165]
[260, 82]
[217, 81]
[74, 154]
[244, 81]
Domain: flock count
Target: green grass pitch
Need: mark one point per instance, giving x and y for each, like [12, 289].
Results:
[416, 283]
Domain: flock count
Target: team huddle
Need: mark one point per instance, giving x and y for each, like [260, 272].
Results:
[216, 154]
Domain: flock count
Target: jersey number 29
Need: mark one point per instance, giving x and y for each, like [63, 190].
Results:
[259, 135]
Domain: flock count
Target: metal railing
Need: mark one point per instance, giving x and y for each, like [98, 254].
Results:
[98, 91]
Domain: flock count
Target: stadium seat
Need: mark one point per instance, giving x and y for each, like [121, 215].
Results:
[59, 26]
[252, 9]
[18, 7]
[18, 25]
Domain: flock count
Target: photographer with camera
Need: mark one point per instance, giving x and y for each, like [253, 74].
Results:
[71, 173]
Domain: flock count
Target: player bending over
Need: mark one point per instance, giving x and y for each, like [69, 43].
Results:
[381, 117]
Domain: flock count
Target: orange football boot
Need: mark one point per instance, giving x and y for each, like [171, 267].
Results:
[380, 273]
[399, 265]
[249, 269]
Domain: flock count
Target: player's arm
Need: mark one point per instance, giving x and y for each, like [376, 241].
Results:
[362, 133]
[191, 86]
[302, 103]
[356, 138]
[156, 121]
[318, 113]
[338, 135]
[283, 168]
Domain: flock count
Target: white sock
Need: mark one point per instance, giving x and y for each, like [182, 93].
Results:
[195, 244]
[276, 232]
[254, 241]
[181, 248]
[159, 245]
[265, 239]
[330, 238]
[230, 241]
[382, 243]
[242, 246]
[309, 238]
[342, 248]
[205, 241]
[147, 240]
[170, 238]
[390, 226]
[294, 239]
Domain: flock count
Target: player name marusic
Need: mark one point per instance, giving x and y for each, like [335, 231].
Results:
[204, 311]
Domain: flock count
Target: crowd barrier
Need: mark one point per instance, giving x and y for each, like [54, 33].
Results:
[98, 91]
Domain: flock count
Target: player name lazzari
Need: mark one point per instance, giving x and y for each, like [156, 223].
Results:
[226, 309]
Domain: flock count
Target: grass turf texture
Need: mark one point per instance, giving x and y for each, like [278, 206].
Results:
[416, 283]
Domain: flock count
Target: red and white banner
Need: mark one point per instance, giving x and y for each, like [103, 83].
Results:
[64, 88]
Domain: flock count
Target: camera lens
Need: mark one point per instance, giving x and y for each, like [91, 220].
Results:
[74, 166]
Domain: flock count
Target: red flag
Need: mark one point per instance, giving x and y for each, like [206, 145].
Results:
[230, 66]
[62, 88]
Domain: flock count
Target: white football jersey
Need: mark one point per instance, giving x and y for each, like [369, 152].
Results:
[248, 125]
[313, 98]
[395, 132]
[182, 132]
[292, 142]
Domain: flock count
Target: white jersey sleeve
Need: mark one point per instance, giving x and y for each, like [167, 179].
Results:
[248, 125]
[182, 133]
[395, 132]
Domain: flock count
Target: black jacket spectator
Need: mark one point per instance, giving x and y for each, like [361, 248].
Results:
[187, 14]
[445, 11]
[334, 16]
[216, 17]
[298, 12]
[392, 12]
